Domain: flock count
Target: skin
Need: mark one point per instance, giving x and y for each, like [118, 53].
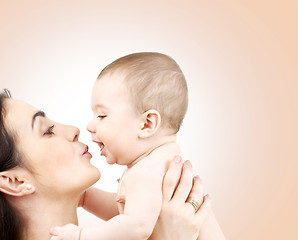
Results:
[52, 161]
[176, 212]
[126, 138]
[115, 124]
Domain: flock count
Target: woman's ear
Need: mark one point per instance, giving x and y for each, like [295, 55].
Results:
[150, 122]
[12, 183]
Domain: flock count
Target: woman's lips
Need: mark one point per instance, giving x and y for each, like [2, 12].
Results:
[86, 151]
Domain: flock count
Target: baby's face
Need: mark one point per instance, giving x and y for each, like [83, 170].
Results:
[115, 123]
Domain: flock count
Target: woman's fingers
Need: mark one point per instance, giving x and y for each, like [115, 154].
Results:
[171, 178]
[186, 218]
[185, 185]
[196, 193]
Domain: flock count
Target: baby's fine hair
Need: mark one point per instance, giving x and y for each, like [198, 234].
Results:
[155, 81]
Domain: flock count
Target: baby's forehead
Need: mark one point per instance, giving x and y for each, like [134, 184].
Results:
[109, 86]
[118, 75]
[107, 92]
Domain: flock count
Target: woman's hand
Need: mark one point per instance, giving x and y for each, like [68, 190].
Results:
[179, 219]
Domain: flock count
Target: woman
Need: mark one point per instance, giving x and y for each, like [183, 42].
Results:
[44, 170]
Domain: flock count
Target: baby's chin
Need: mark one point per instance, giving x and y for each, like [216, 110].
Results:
[111, 161]
[119, 161]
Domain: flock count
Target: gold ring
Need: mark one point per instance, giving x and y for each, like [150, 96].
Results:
[195, 204]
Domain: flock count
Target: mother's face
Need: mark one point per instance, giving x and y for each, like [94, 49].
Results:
[60, 164]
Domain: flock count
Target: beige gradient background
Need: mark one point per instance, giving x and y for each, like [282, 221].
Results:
[241, 63]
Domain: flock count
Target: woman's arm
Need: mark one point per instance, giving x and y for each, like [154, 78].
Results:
[211, 229]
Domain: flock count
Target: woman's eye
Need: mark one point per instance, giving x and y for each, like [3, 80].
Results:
[49, 131]
[101, 116]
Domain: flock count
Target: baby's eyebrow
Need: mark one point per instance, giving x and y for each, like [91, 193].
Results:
[97, 106]
[37, 114]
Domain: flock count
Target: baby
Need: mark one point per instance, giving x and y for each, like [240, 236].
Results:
[139, 102]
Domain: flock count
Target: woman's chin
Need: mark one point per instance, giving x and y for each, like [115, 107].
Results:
[92, 177]
[97, 175]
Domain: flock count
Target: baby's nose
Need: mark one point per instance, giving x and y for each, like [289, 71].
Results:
[91, 127]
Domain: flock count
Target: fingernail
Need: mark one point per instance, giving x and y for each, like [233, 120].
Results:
[188, 163]
[178, 159]
[120, 199]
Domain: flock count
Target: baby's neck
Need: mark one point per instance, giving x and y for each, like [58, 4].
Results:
[165, 140]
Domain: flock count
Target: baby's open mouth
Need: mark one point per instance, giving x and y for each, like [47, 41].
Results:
[102, 146]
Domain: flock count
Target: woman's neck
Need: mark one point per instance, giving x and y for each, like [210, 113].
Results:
[41, 214]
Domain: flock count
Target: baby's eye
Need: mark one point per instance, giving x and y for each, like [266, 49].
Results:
[49, 131]
[101, 116]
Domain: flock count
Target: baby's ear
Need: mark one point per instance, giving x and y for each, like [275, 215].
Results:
[150, 122]
[13, 183]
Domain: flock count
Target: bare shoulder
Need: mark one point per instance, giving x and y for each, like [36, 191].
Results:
[155, 164]
[163, 154]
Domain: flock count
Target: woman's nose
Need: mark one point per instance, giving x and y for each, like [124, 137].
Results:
[73, 134]
[77, 134]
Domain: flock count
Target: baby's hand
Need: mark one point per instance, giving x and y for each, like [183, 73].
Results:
[67, 232]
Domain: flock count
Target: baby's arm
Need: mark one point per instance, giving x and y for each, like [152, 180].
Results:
[100, 203]
[142, 208]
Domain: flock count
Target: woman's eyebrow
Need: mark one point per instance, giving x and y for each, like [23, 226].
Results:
[37, 114]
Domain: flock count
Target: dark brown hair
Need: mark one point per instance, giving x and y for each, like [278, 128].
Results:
[10, 219]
